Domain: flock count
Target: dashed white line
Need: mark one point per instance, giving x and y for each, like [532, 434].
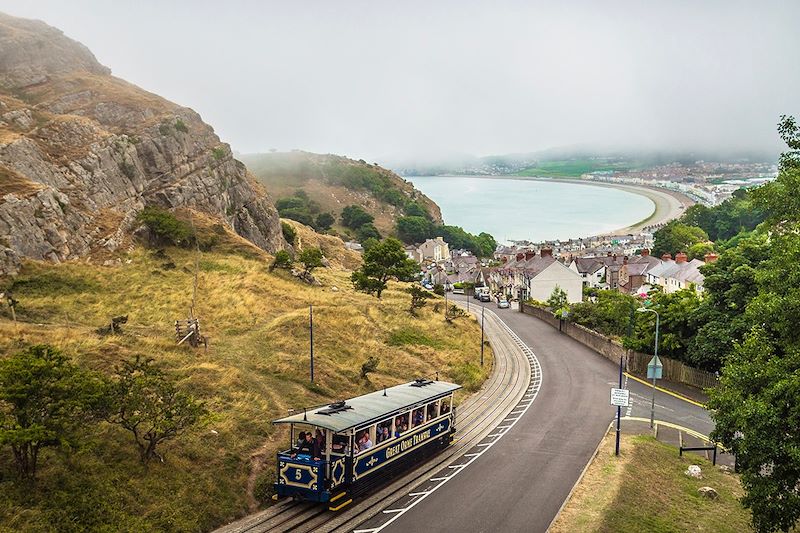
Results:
[533, 391]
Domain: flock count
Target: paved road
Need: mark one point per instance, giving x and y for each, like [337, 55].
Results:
[522, 482]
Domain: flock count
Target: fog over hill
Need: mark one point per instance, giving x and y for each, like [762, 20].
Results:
[375, 80]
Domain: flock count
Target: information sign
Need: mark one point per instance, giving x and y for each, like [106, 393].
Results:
[654, 368]
[620, 397]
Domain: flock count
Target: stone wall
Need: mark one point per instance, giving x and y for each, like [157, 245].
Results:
[635, 362]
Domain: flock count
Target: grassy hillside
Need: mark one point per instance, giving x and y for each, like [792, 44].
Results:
[256, 367]
[334, 182]
[645, 489]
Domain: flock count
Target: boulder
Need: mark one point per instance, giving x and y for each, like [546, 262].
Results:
[708, 492]
[694, 471]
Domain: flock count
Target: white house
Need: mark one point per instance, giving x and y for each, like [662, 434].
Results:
[536, 276]
[679, 274]
[433, 250]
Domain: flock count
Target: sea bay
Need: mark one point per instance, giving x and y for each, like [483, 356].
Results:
[535, 210]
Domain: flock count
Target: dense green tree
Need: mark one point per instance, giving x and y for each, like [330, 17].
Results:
[354, 216]
[677, 237]
[45, 402]
[382, 262]
[149, 404]
[699, 250]
[289, 233]
[413, 229]
[324, 222]
[486, 245]
[298, 207]
[366, 232]
[756, 406]
[610, 312]
[311, 258]
[414, 209]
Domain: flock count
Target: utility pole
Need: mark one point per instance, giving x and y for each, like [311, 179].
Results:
[311, 337]
[483, 308]
[619, 408]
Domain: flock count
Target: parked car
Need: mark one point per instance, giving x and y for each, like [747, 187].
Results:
[458, 290]
[503, 304]
[485, 297]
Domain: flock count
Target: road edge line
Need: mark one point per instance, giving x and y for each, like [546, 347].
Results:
[580, 478]
[666, 391]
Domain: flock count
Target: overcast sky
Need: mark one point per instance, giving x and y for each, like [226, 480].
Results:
[375, 79]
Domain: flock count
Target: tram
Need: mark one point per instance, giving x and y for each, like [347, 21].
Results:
[364, 441]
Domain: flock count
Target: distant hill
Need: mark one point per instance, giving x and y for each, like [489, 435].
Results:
[334, 182]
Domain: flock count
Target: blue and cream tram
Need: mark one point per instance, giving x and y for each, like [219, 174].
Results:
[363, 441]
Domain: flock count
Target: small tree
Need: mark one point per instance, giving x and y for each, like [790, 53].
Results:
[382, 262]
[282, 260]
[311, 259]
[148, 403]
[452, 312]
[45, 401]
[418, 299]
[438, 289]
[369, 366]
[558, 302]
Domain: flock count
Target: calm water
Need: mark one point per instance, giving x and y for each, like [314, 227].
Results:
[532, 210]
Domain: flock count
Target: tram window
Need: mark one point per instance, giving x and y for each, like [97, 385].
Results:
[418, 417]
[339, 444]
[433, 410]
[364, 442]
[400, 424]
[384, 431]
[446, 405]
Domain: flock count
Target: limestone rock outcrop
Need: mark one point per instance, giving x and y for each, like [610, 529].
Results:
[82, 152]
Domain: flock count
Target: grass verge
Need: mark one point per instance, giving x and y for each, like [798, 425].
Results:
[645, 489]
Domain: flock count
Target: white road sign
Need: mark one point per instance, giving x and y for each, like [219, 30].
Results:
[620, 397]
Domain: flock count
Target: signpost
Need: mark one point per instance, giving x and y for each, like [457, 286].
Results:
[621, 398]
[654, 372]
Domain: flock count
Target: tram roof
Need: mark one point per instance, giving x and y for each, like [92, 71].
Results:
[372, 407]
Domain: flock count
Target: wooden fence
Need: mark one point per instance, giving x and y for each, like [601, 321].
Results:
[636, 362]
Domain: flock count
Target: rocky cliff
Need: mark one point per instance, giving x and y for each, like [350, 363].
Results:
[82, 152]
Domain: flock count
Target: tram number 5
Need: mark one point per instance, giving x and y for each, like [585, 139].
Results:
[298, 474]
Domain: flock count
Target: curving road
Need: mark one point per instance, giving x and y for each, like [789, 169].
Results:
[522, 481]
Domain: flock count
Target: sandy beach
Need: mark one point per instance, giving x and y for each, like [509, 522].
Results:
[668, 205]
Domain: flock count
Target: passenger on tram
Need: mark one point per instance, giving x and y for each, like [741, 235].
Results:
[364, 443]
[308, 447]
[301, 438]
[445, 407]
[400, 425]
[431, 411]
[339, 444]
[419, 417]
[319, 438]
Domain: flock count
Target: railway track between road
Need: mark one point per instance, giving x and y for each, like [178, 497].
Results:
[515, 379]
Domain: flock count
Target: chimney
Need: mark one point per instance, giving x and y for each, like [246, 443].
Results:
[646, 252]
[710, 257]
[520, 257]
[625, 260]
[666, 257]
[680, 257]
[504, 259]
[608, 254]
[545, 252]
[529, 254]
[614, 258]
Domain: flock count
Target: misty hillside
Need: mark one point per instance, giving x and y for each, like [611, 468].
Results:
[334, 182]
[83, 152]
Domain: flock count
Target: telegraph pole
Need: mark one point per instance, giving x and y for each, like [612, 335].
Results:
[311, 337]
[483, 308]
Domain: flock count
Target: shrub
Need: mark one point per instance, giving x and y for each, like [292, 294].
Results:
[324, 222]
[369, 366]
[181, 126]
[289, 233]
[165, 226]
[282, 260]
[219, 153]
[354, 216]
[311, 258]
[438, 289]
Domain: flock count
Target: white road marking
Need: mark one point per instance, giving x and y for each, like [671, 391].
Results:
[413, 494]
[533, 390]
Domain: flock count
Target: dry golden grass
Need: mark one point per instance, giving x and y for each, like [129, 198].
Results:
[332, 247]
[256, 366]
[12, 182]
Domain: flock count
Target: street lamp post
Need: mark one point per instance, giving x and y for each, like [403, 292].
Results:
[655, 354]
[483, 308]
